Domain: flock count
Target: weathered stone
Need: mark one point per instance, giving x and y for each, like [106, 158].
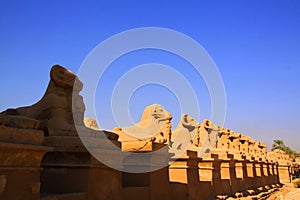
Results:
[185, 136]
[223, 141]
[91, 123]
[35, 187]
[154, 126]
[23, 136]
[19, 122]
[20, 170]
[234, 144]
[279, 156]
[61, 109]
[244, 148]
[54, 110]
[209, 133]
[68, 196]
[3, 181]
[251, 146]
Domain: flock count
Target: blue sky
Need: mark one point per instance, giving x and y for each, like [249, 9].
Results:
[255, 45]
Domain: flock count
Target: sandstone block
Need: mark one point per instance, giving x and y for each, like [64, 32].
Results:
[22, 136]
[19, 122]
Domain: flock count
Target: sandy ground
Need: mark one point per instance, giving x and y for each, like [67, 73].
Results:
[288, 192]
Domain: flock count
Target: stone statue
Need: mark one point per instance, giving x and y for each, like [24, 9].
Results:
[209, 134]
[279, 156]
[234, 144]
[223, 142]
[244, 148]
[185, 136]
[251, 148]
[260, 150]
[154, 126]
[60, 107]
[91, 123]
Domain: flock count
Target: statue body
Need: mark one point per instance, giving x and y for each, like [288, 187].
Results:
[186, 136]
[61, 108]
[154, 125]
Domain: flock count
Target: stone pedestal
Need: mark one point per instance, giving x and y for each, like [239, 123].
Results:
[216, 175]
[274, 179]
[218, 172]
[20, 171]
[265, 173]
[153, 182]
[258, 178]
[72, 169]
[185, 171]
[20, 158]
[239, 169]
[251, 175]
[275, 172]
[226, 175]
[178, 171]
[284, 173]
[236, 176]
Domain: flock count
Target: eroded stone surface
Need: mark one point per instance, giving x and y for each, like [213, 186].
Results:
[279, 156]
[185, 136]
[3, 181]
[59, 109]
[20, 129]
[154, 126]
[223, 141]
[91, 123]
[23, 136]
[19, 121]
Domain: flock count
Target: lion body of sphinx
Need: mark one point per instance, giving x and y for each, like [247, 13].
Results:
[154, 126]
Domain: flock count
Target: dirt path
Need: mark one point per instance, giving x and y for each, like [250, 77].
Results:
[288, 192]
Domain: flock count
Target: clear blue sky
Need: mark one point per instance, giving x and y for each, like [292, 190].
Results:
[254, 43]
